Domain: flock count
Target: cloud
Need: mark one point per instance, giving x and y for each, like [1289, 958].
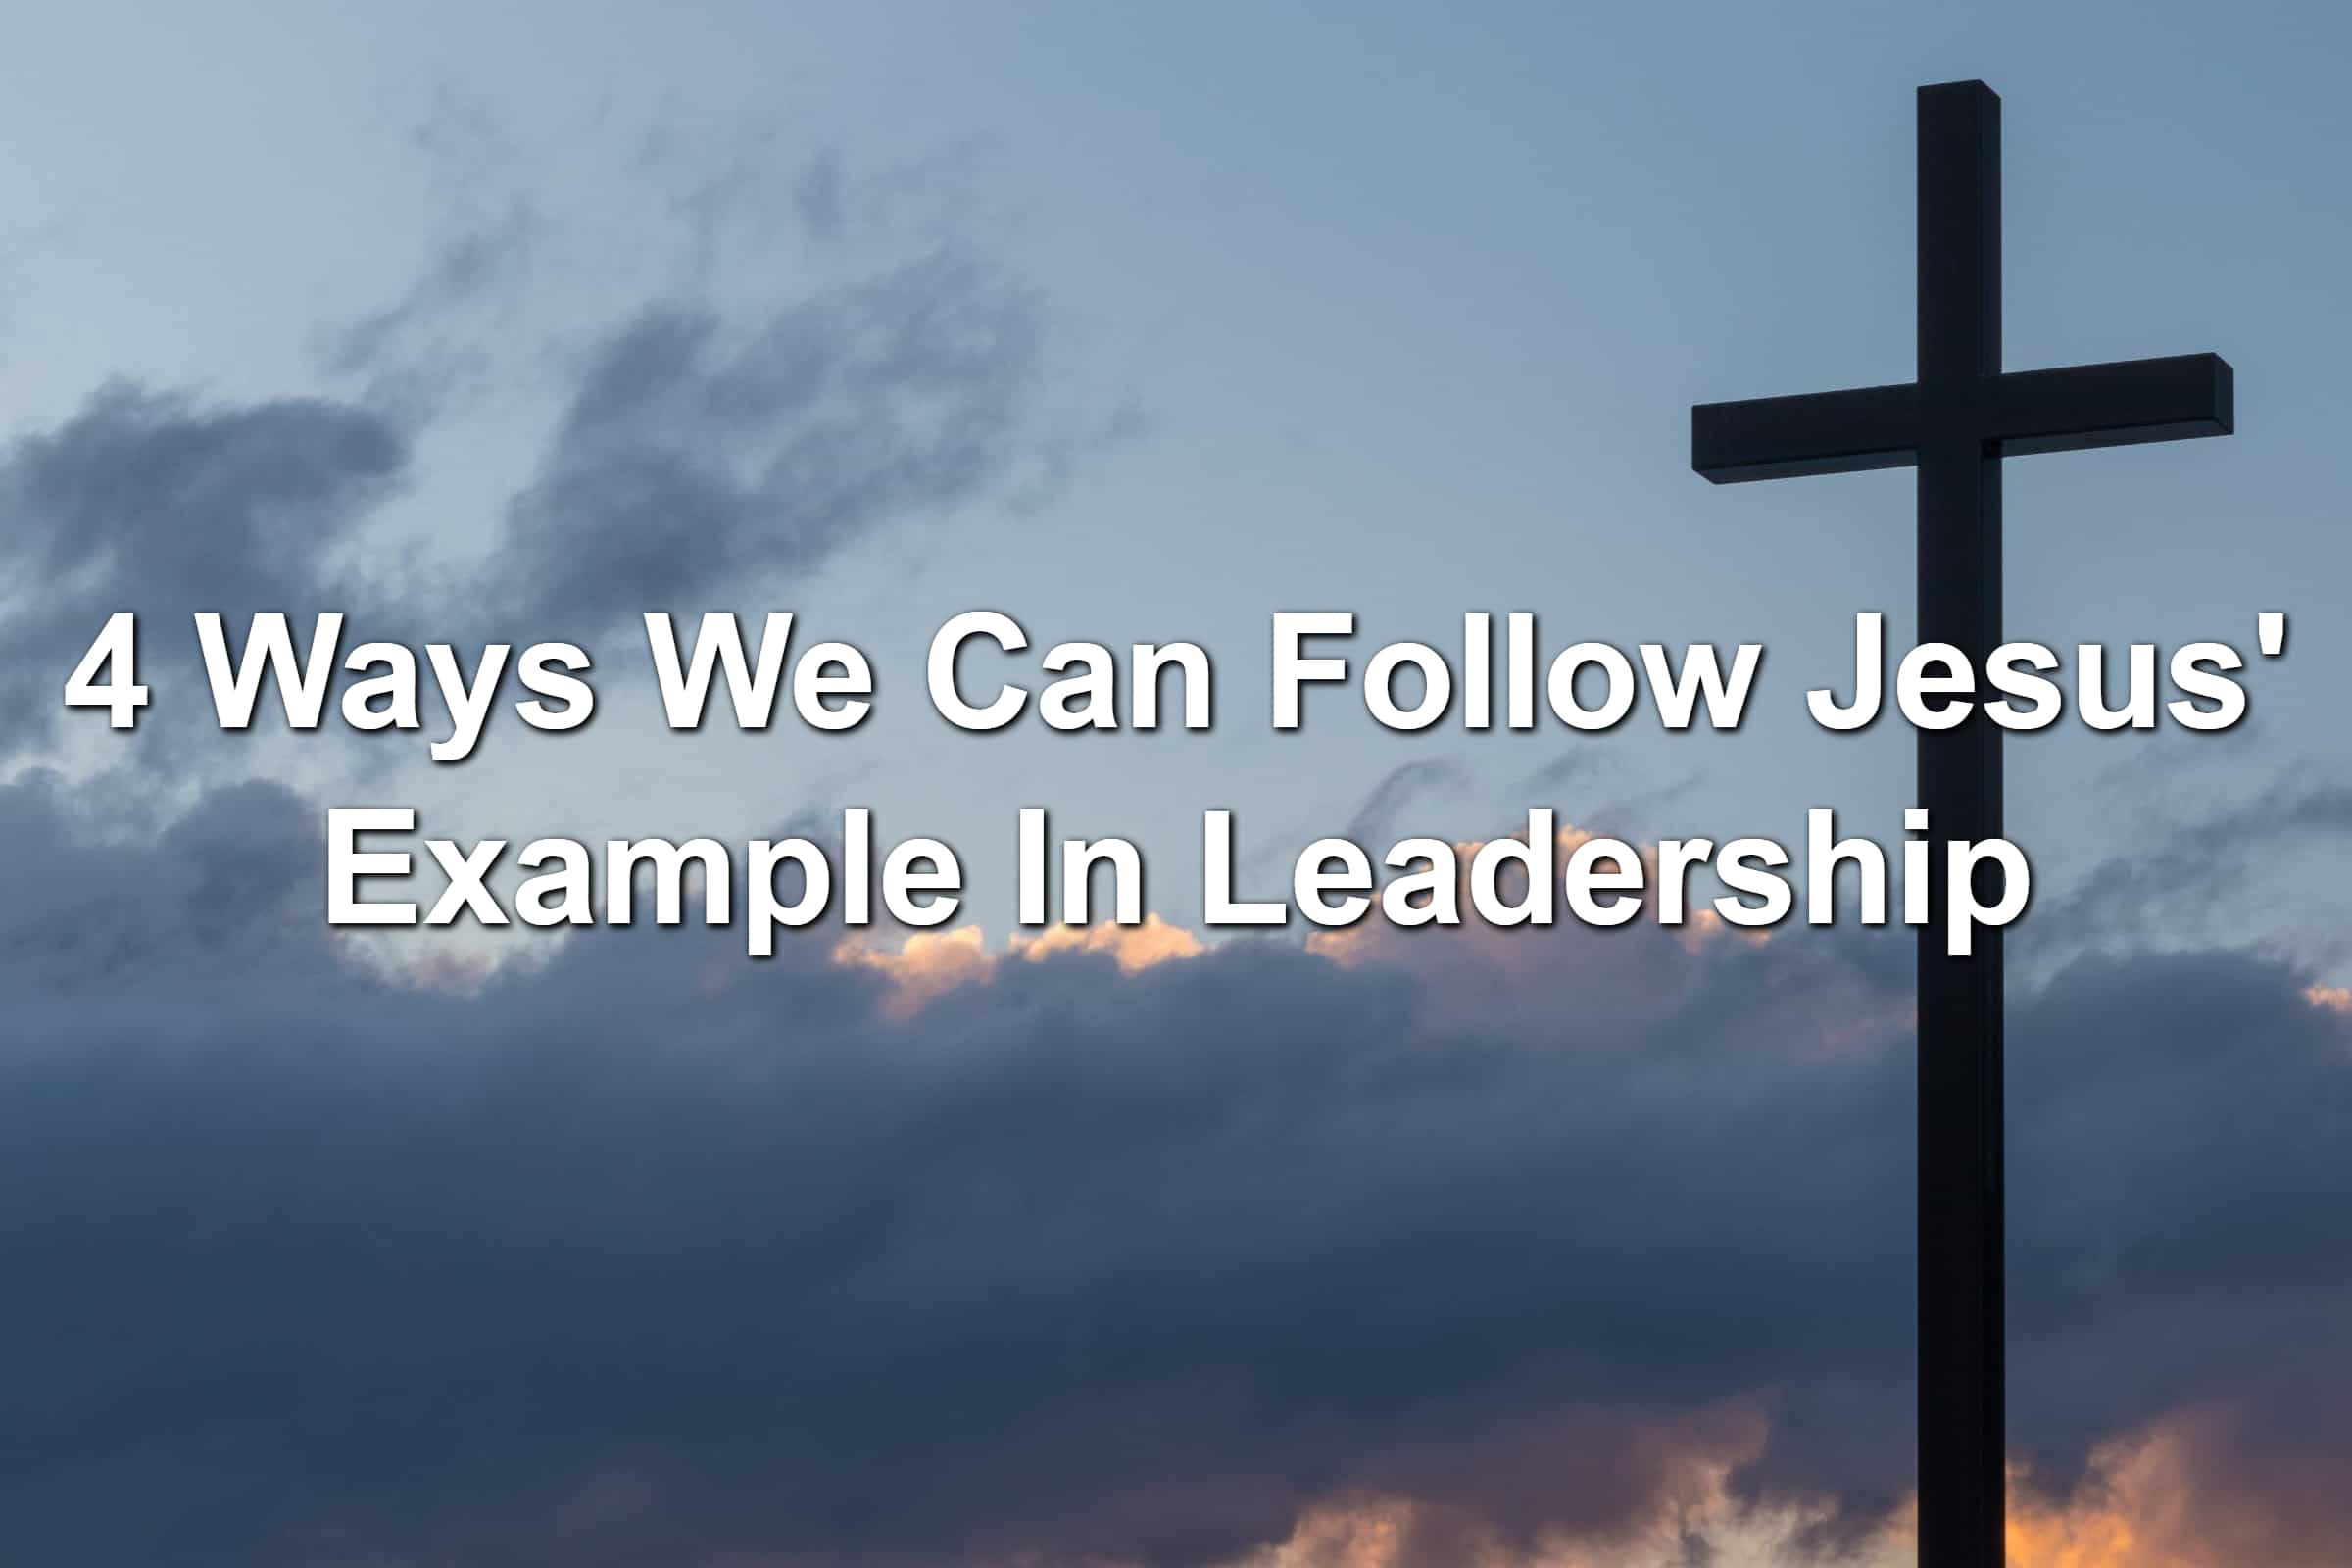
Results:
[164, 504]
[1402, 785]
[653, 1253]
[700, 454]
[817, 196]
[413, 349]
[2203, 872]
[690, 458]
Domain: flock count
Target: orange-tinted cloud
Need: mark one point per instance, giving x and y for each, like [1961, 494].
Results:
[929, 964]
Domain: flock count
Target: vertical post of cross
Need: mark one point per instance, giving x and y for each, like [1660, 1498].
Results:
[1956, 423]
[1961, 1264]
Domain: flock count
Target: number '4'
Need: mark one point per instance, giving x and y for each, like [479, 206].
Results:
[115, 653]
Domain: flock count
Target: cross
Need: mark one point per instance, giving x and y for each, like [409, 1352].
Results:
[1955, 425]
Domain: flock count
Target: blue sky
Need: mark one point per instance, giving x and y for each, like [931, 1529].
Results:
[1344, 310]
[1277, 307]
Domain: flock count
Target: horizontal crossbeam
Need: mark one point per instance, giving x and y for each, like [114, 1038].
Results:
[2111, 405]
[1815, 433]
[2023, 412]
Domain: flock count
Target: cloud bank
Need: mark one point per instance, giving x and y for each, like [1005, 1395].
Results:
[653, 1253]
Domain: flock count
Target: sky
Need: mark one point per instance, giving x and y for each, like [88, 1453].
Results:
[1167, 1247]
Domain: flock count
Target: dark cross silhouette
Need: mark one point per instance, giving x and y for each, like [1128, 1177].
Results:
[1956, 423]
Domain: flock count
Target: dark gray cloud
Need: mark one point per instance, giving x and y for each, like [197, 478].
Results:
[166, 504]
[655, 1254]
[2218, 871]
[696, 460]
[690, 458]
